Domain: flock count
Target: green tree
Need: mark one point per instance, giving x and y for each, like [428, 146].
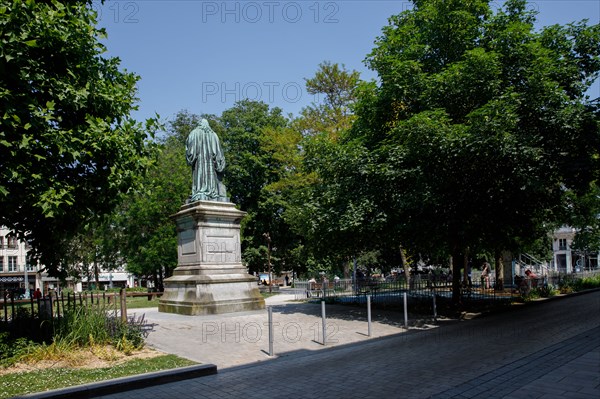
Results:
[287, 148]
[95, 248]
[335, 213]
[181, 126]
[248, 166]
[480, 126]
[149, 236]
[336, 86]
[68, 147]
[327, 207]
[248, 130]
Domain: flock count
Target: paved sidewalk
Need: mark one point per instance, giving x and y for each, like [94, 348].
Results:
[539, 351]
[548, 350]
[568, 369]
[235, 339]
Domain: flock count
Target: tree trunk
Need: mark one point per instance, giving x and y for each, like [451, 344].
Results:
[405, 266]
[96, 274]
[346, 267]
[466, 268]
[456, 280]
[499, 271]
[161, 286]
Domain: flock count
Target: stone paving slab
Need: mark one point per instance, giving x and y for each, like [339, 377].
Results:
[234, 339]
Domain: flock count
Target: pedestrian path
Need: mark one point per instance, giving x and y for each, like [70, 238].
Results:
[549, 350]
[567, 369]
[546, 351]
[236, 339]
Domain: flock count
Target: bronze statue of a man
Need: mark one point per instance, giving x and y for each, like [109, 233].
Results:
[203, 153]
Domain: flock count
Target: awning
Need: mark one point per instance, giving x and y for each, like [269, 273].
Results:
[15, 279]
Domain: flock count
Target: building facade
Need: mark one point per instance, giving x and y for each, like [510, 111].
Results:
[16, 273]
[20, 276]
[567, 260]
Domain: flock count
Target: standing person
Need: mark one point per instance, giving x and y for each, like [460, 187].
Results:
[37, 294]
[485, 275]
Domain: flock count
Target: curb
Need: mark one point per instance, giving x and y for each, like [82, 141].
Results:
[126, 383]
[535, 302]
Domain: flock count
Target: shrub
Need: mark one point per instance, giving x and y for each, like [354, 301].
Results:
[79, 325]
[567, 285]
[88, 326]
[547, 291]
[589, 282]
[11, 350]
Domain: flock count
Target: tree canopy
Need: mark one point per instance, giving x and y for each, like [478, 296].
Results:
[68, 147]
[148, 234]
[492, 125]
[325, 205]
[335, 87]
[477, 135]
[249, 129]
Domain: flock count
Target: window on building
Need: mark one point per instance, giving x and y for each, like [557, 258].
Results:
[12, 242]
[1, 263]
[30, 266]
[1, 242]
[12, 264]
[562, 244]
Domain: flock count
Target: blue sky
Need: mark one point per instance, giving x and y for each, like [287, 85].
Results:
[204, 56]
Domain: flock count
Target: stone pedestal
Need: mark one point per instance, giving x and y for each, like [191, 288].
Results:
[210, 277]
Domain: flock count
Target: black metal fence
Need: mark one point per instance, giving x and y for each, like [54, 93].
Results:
[423, 287]
[393, 289]
[35, 318]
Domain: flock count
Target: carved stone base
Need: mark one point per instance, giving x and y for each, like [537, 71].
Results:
[210, 277]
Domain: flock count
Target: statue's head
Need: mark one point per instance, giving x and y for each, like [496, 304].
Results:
[204, 124]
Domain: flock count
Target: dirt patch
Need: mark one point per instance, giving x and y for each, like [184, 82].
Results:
[86, 358]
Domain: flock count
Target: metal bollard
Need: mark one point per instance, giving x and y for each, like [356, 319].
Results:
[405, 312]
[270, 310]
[324, 322]
[369, 315]
[434, 308]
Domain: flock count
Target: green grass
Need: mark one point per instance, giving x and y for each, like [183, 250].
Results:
[37, 381]
[133, 302]
[137, 302]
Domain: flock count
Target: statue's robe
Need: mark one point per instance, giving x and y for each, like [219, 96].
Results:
[203, 152]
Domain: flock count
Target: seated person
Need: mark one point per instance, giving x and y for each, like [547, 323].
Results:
[532, 276]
